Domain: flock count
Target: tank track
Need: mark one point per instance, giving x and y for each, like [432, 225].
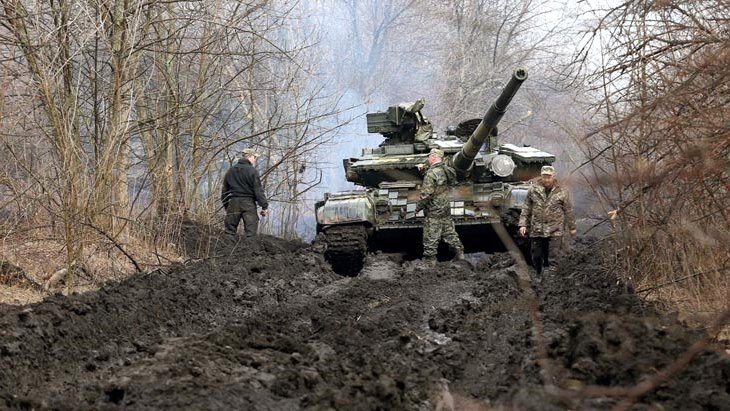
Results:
[346, 248]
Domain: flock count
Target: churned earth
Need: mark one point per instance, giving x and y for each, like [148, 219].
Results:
[267, 325]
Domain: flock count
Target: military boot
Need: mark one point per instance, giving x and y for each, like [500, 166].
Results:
[459, 256]
[230, 238]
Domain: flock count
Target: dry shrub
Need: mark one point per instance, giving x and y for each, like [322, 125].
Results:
[661, 157]
[103, 259]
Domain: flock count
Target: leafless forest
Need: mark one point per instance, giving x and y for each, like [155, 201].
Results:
[118, 118]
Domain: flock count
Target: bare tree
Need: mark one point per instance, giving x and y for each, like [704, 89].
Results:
[661, 153]
[161, 95]
[485, 40]
[46, 42]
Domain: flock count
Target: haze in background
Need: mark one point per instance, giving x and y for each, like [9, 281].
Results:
[458, 55]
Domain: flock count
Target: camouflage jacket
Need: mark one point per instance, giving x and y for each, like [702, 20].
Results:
[547, 215]
[435, 190]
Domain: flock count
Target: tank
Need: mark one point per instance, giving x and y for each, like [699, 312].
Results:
[493, 180]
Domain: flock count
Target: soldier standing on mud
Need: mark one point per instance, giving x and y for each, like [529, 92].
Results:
[241, 191]
[545, 214]
[435, 203]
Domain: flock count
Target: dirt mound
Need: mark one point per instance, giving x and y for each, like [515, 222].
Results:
[265, 324]
[202, 241]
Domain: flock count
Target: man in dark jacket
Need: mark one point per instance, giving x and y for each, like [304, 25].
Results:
[545, 215]
[241, 191]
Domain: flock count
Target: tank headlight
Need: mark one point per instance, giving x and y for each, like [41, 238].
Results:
[502, 165]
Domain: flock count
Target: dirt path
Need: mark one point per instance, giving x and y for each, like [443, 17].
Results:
[268, 326]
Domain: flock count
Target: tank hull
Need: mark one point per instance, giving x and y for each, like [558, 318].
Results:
[477, 236]
[485, 202]
[353, 223]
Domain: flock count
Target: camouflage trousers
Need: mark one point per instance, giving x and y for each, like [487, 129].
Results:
[435, 229]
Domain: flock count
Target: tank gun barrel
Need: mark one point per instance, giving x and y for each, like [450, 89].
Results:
[464, 159]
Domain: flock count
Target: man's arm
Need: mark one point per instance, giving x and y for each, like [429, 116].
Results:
[526, 214]
[258, 191]
[225, 188]
[427, 190]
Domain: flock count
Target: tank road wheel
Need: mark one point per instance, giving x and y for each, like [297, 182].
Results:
[346, 248]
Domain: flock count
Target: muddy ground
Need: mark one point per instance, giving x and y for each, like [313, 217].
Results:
[267, 325]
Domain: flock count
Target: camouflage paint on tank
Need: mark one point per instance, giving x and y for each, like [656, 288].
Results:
[469, 204]
[370, 170]
[491, 176]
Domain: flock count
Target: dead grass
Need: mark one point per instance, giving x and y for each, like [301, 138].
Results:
[40, 256]
[19, 295]
[681, 267]
[697, 306]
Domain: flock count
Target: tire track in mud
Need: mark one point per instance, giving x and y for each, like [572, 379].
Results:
[357, 344]
[266, 325]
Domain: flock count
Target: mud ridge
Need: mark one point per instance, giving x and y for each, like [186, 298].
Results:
[265, 324]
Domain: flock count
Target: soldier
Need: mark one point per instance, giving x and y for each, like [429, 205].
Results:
[240, 193]
[546, 213]
[435, 203]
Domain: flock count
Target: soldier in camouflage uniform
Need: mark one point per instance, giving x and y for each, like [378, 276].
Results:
[545, 214]
[435, 203]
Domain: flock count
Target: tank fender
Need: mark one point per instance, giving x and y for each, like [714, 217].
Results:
[348, 209]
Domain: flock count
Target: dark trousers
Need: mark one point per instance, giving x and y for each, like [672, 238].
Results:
[540, 250]
[241, 208]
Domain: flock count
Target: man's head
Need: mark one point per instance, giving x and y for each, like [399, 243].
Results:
[250, 155]
[435, 156]
[547, 173]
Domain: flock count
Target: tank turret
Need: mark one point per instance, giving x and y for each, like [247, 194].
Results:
[464, 159]
[493, 182]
